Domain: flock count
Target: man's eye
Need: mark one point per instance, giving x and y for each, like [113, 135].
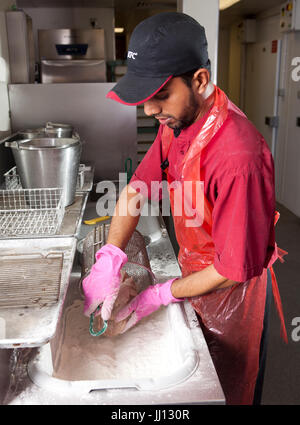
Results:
[162, 96]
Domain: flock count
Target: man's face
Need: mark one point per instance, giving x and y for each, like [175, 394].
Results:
[175, 105]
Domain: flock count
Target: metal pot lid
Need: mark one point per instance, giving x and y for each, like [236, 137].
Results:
[56, 126]
[32, 130]
[45, 143]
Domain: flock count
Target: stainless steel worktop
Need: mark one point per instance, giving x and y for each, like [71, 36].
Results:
[34, 326]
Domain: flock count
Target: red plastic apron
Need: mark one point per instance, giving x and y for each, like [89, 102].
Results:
[231, 318]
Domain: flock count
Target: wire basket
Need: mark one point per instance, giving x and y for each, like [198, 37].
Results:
[28, 280]
[12, 179]
[138, 265]
[30, 212]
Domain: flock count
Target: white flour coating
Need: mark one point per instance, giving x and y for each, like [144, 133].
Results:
[145, 351]
[126, 293]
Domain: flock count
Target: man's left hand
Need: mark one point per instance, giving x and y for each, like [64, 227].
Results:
[146, 303]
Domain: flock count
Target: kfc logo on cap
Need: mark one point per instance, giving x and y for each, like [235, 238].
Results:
[131, 55]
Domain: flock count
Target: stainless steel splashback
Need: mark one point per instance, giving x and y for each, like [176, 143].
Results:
[21, 47]
[108, 129]
[58, 44]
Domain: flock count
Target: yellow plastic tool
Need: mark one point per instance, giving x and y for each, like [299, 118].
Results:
[97, 220]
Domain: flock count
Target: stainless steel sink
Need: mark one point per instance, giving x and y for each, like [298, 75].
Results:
[26, 375]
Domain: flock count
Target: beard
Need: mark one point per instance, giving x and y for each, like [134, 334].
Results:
[188, 116]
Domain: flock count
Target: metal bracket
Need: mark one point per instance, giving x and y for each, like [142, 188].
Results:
[272, 121]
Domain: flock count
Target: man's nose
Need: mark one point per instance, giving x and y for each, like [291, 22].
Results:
[151, 107]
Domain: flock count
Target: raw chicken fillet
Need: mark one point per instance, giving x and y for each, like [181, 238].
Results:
[127, 292]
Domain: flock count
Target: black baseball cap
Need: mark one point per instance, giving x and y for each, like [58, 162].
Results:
[161, 47]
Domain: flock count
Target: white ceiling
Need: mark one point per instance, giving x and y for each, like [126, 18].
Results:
[247, 8]
[244, 8]
[64, 3]
[145, 4]
[122, 4]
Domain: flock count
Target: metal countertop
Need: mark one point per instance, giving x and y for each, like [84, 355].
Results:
[35, 326]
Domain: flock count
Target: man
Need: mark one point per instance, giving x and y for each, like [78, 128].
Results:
[228, 245]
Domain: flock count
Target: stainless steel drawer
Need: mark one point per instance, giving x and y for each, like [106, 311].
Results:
[73, 71]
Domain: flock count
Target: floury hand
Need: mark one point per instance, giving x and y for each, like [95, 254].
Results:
[146, 303]
[102, 285]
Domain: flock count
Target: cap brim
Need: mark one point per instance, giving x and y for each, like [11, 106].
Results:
[135, 90]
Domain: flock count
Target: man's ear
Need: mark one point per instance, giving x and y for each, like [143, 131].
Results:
[200, 80]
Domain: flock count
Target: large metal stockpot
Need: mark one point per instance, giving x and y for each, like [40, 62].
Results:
[58, 130]
[31, 133]
[50, 130]
[48, 162]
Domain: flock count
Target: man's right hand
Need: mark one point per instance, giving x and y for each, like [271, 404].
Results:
[103, 283]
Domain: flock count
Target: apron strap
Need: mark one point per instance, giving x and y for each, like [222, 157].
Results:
[278, 255]
[167, 137]
[278, 304]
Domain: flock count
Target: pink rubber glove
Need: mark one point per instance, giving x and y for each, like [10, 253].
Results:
[103, 283]
[146, 303]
